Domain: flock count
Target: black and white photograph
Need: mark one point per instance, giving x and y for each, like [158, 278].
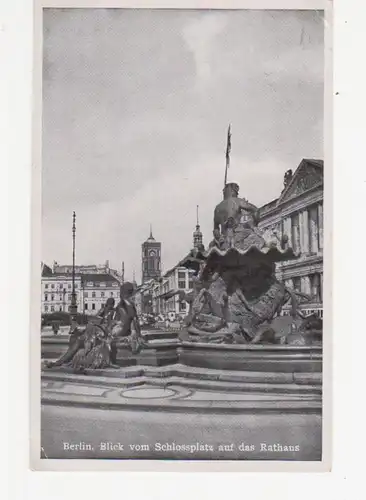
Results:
[182, 235]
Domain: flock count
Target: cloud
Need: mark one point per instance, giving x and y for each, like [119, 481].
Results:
[136, 109]
[200, 35]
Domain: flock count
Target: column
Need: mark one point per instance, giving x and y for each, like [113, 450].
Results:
[305, 285]
[313, 226]
[288, 230]
[320, 222]
[295, 232]
[304, 232]
[289, 284]
[321, 288]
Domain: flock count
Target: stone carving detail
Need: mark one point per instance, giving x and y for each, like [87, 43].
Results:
[236, 295]
[307, 178]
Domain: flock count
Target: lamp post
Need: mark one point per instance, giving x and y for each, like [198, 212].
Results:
[73, 306]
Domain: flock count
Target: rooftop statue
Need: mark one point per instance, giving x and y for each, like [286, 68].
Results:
[236, 295]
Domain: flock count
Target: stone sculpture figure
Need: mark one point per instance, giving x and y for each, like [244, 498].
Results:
[96, 346]
[237, 295]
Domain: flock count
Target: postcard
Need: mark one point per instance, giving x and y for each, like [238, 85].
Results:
[181, 315]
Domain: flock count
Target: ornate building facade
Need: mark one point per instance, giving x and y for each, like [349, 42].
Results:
[298, 213]
[151, 259]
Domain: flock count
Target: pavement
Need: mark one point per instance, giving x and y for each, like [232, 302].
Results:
[179, 412]
[93, 433]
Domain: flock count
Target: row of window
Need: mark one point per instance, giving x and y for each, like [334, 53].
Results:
[182, 284]
[151, 264]
[52, 285]
[53, 297]
[60, 308]
[69, 286]
[86, 295]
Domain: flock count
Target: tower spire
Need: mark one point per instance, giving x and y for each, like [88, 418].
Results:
[197, 235]
[151, 235]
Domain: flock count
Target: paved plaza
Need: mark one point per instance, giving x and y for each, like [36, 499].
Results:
[166, 412]
[161, 435]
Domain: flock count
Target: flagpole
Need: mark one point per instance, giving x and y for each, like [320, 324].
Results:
[228, 149]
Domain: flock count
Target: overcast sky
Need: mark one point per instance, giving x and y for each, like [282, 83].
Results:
[135, 116]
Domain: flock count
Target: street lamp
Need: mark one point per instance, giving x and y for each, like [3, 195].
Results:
[73, 306]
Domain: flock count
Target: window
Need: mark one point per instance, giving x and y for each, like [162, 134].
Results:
[52, 308]
[93, 306]
[46, 308]
[111, 294]
[45, 297]
[70, 296]
[86, 307]
[181, 275]
[52, 297]
[102, 294]
[60, 308]
[52, 286]
[190, 284]
[69, 286]
[76, 285]
[182, 306]
[86, 294]
[93, 295]
[181, 284]
[46, 286]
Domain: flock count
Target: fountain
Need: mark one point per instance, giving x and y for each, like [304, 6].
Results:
[237, 297]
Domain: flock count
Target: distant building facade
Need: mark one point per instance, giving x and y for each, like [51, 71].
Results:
[92, 290]
[298, 213]
[150, 259]
[167, 298]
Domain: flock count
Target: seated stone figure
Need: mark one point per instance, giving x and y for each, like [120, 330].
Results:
[126, 328]
[96, 345]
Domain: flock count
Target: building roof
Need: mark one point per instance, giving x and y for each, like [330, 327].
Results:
[46, 270]
[318, 165]
[98, 278]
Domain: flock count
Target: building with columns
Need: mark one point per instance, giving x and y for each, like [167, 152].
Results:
[298, 213]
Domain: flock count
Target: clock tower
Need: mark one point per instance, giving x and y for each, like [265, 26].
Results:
[151, 258]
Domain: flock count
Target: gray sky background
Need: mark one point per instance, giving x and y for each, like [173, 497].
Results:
[135, 114]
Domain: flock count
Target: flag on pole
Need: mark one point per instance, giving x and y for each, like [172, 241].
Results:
[228, 146]
[228, 149]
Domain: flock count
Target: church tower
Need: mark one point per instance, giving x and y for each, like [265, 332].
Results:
[151, 258]
[197, 235]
